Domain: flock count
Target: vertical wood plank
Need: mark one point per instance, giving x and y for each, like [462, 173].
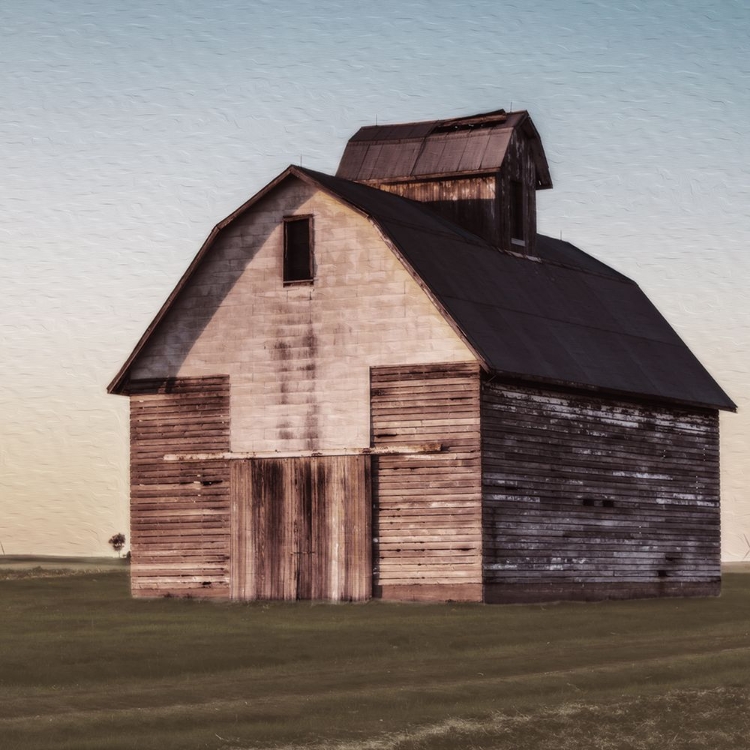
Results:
[320, 558]
[238, 542]
[308, 528]
[302, 522]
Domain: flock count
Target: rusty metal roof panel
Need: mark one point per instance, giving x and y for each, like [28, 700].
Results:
[430, 160]
[497, 145]
[575, 322]
[454, 147]
[468, 144]
[397, 159]
[353, 158]
[471, 159]
[369, 163]
[393, 132]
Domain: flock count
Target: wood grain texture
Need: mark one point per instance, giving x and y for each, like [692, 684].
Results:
[518, 166]
[301, 528]
[481, 203]
[469, 202]
[591, 498]
[179, 513]
[428, 535]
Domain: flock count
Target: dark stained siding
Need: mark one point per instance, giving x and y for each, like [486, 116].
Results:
[179, 511]
[469, 202]
[301, 528]
[518, 167]
[591, 499]
[427, 512]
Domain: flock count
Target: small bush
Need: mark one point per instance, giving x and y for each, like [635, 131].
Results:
[118, 542]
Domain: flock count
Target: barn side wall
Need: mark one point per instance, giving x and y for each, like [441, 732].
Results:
[179, 511]
[586, 498]
[427, 507]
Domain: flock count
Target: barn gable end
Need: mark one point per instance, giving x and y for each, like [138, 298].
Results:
[298, 357]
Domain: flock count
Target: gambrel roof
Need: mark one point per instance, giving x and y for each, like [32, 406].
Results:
[561, 317]
[445, 148]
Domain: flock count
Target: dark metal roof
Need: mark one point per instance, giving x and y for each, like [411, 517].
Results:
[563, 317]
[464, 145]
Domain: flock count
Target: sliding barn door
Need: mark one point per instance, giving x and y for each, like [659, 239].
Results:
[301, 528]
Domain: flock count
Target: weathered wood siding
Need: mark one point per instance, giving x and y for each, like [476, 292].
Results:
[589, 498]
[301, 528]
[469, 202]
[517, 166]
[427, 516]
[299, 356]
[179, 512]
[482, 203]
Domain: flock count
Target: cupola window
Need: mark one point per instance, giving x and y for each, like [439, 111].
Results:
[517, 222]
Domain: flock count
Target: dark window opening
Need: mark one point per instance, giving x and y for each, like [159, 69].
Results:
[517, 234]
[298, 261]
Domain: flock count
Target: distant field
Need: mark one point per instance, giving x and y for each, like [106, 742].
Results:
[84, 667]
[28, 566]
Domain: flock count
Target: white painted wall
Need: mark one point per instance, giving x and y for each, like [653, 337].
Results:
[299, 357]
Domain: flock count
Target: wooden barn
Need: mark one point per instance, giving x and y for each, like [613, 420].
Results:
[385, 383]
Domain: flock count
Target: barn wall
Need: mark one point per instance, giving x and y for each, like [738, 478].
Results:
[482, 204]
[299, 356]
[586, 498]
[427, 507]
[179, 512]
[469, 202]
[518, 165]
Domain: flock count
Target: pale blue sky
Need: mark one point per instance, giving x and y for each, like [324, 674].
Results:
[127, 132]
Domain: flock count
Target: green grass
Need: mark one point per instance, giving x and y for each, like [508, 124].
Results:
[82, 666]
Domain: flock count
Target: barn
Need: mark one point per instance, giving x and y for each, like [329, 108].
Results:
[386, 384]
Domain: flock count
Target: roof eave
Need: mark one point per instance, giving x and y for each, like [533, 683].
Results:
[543, 177]
[728, 406]
[118, 383]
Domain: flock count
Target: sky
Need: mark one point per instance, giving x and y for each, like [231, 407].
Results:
[128, 130]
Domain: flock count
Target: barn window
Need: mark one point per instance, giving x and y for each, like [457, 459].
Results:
[298, 249]
[517, 235]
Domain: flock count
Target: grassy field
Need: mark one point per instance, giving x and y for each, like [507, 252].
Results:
[82, 666]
